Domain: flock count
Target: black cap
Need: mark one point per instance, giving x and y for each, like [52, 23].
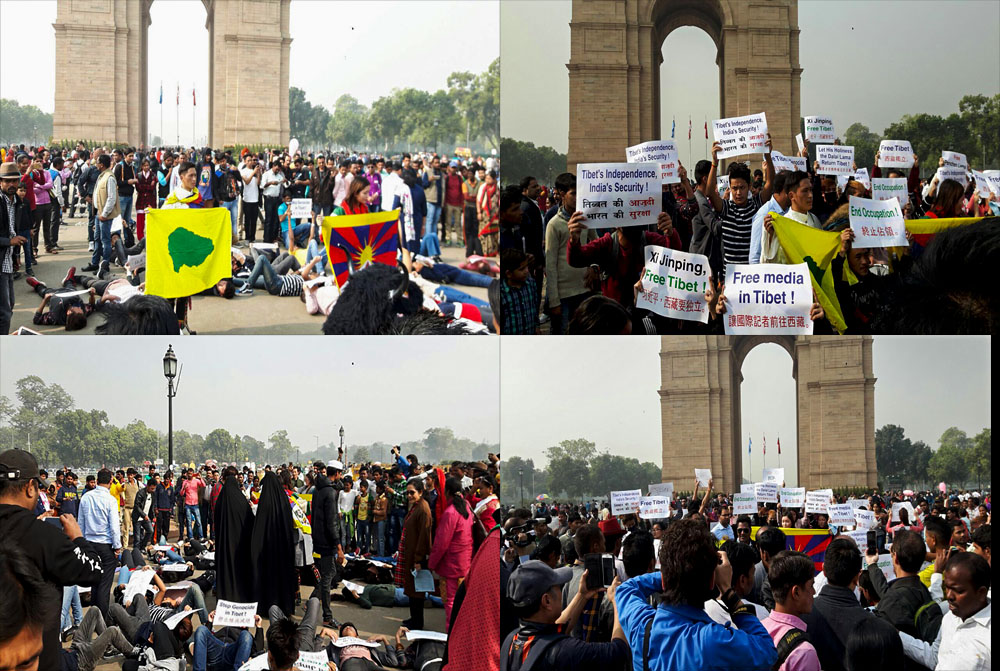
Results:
[534, 578]
[18, 465]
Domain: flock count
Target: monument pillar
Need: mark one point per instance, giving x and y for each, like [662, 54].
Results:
[701, 425]
[615, 57]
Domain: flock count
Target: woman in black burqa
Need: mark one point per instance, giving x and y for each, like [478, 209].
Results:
[272, 549]
[234, 527]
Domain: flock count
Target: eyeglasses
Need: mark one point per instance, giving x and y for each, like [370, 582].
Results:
[742, 531]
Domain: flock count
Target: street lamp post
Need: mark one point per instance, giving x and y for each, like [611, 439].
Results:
[520, 473]
[170, 372]
[435, 136]
[342, 446]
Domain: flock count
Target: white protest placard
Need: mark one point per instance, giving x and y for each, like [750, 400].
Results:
[861, 175]
[625, 501]
[835, 159]
[654, 507]
[703, 475]
[984, 185]
[423, 581]
[766, 492]
[864, 519]
[176, 618]
[775, 475]
[860, 537]
[618, 194]
[353, 586]
[895, 154]
[210, 556]
[828, 492]
[264, 245]
[138, 583]
[744, 504]
[674, 283]
[301, 208]
[841, 514]
[312, 661]
[953, 158]
[663, 152]
[820, 129]
[232, 614]
[664, 489]
[960, 175]
[992, 179]
[896, 507]
[792, 497]
[258, 663]
[886, 188]
[877, 223]
[71, 294]
[426, 634]
[345, 641]
[885, 565]
[799, 143]
[771, 298]
[747, 488]
[817, 502]
[857, 503]
[789, 163]
[741, 135]
[721, 184]
[180, 568]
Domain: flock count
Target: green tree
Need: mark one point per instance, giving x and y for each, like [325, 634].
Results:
[929, 135]
[569, 467]
[981, 457]
[981, 115]
[23, 123]
[515, 471]
[219, 445]
[919, 460]
[578, 448]
[385, 121]
[865, 144]
[250, 449]
[524, 158]
[80, 437]
[892, 452]
[477, 100]
[613, 472]
[39, 404]
[280, 448]
[950, 463]
[346, 127]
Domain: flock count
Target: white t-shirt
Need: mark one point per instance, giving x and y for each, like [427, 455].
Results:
[347, 501]
[715, 611]
[251, 190]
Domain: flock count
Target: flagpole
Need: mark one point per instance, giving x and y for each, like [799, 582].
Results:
[161, 110]
[194, 109]
[178, 114]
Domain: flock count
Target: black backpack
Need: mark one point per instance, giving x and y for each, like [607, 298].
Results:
[510, 659]
[927, 621]
[227, 187]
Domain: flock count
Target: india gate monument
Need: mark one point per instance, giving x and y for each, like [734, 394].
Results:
[835, 404]
[106, 41]
[615, 59]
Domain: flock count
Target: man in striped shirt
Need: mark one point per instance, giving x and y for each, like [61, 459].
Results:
[737, 212]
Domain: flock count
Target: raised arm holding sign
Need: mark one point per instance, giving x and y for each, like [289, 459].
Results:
[741, 135]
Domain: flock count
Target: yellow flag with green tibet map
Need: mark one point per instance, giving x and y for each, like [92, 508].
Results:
[187, 250]
[815, 248]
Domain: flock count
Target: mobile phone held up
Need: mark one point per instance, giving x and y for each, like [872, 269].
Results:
[600, 570]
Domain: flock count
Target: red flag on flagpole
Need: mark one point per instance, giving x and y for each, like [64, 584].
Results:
[765, 444]
[706, 129]
[178, 93]
[779, 444]
[194, 100]
[689, 127]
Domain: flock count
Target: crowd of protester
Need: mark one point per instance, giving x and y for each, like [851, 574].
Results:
[563, 277]
[701, 589]
[358, 534]
[443, 203]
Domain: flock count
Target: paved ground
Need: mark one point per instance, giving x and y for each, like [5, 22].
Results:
[257, 314]
[369, 622]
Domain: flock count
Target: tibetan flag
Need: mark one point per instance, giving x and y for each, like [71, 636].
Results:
[689, 127]
[764, 449]
[178, 93]
[923, 230]
[816, 249]
[673, 127]
[812, 542]
[354, 241]
[194, 99]
[187, 250]
[706, 129]
[779, 444]
[161, 93]
[749, 444]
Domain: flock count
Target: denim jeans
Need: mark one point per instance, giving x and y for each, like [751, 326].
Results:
[194, 517]
[102, 241]
[446, 294]
[400, 600]
[378, 539]
[328, 570]
[171, 558]
[430, 245]
[363, 542]
[71, 602]
[442, 272]
[301, 233]
[125, 203]
[396, 516]
[211, 653]
[433, 217]
[263, 268]
[232, 206]
[313, 250]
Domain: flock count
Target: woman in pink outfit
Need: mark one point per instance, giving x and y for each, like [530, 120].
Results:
[451, 553]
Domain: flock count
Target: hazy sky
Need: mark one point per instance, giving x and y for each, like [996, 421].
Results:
[862, 61]
[380, 389]
[605, 390]
[343, 46]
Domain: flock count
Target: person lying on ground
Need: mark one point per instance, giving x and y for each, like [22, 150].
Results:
[386, 596]
[285, 277]
[70, 311]
[360, 657]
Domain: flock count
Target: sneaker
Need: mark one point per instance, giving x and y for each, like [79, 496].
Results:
[104, 271]
[70, 274]
[89, 268]
[30, 272]
[245, 290]
[51, 250]
[32, 282]
[58, 248]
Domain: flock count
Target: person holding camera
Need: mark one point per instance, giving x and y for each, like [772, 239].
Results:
[540, 642]
[57, 547]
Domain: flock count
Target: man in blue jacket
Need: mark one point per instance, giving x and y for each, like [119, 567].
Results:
[680, 634]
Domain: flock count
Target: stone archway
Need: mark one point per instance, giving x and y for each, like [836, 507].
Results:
[614, 79]
[700, 408]
[101, 71]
